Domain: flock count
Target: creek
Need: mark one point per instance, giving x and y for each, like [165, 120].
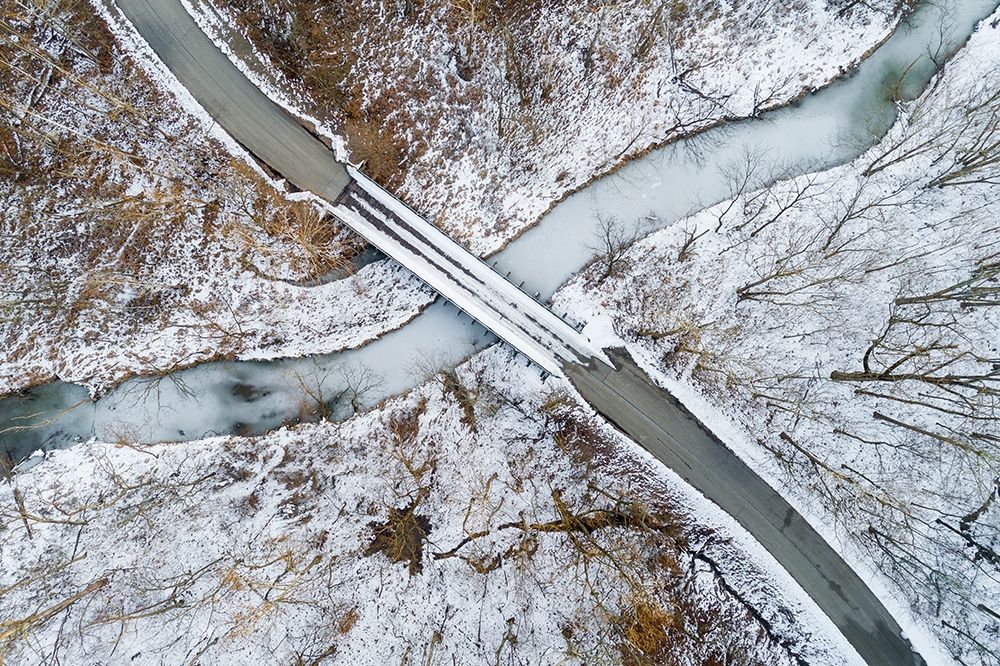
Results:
[823, 129]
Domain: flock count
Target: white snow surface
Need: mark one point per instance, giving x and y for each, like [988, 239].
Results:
[757, 366]
[234, 313]
[257, 549]
[212, 519]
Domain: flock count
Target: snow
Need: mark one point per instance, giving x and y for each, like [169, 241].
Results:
[136, 48]
[827, 128]
[338, 315]
[246, 60]
[757, 366]
[246, 397]
[258, 548]
[200, 327]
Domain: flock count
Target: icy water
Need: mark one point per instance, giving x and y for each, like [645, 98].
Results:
[241, 397]
[825, 129]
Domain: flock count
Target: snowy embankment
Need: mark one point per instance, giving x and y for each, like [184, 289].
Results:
[846, 321]
[484, 515]
[137, 245]
[483, 123]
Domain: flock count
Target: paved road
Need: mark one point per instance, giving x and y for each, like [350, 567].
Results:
[627, 396]
[246, 113]
[278, 140]
[654, 418]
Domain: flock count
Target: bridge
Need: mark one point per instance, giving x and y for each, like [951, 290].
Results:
[608, 380]
[462, 278]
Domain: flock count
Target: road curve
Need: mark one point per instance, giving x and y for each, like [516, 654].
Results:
[663, 426]
[627, 396]
[266, 130]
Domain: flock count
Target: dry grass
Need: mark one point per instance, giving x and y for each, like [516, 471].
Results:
[311, 242]
[348, 621]
[647, 630]
[390, 106]
[401, 537]
[466, 397]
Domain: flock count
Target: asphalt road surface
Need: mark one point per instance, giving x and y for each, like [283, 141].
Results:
[627, 397]
[247, 114]
[656, 420]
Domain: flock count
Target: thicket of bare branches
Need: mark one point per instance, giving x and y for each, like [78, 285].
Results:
[612, 240]
[299, 545]
[853, 316]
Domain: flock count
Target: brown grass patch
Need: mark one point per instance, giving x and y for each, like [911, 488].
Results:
[648, 632]
[401, 537]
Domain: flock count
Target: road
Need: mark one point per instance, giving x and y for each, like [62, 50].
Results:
[655, 419]
[278, 140]
[247, 114]
[626, 396]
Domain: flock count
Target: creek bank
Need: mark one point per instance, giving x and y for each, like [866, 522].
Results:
[687, 175]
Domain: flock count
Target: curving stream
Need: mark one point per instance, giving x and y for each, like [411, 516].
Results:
[824, 129]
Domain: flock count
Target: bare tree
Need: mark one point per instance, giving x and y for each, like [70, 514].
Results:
[354, 383]
[360, 381]
[611, 242]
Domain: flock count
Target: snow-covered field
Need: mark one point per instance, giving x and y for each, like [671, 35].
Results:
[483, 518]
[848, 322]
[482, 117]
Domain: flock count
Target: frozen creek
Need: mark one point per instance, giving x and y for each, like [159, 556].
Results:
[825, 129]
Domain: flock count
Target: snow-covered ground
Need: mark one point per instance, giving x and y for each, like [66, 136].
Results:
[132, 243]
[482, 117]
[847, 322]
[483, 518]
[231, 550]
